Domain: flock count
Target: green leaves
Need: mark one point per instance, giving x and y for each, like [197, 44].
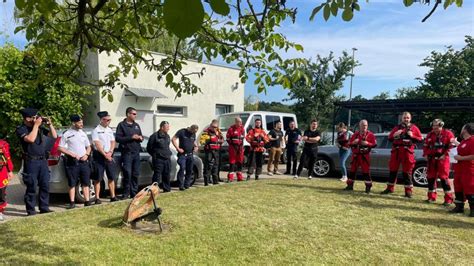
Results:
[315, 11]
[20, 4]
[220, 7]
[407, 2]
[183, 17]
[347, 14]
[326, 12]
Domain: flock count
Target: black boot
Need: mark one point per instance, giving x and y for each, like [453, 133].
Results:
[350, 185]
[386, 191]
[459, 208]
[367, 189]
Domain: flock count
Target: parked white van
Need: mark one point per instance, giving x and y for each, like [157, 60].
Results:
[269, 119]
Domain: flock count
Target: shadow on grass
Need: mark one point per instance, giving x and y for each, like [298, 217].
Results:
[379, 206]
[341, 191]
[438, 222]
[115, 222]
[21, 250]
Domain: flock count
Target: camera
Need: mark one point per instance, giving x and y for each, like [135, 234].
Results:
[45, 119]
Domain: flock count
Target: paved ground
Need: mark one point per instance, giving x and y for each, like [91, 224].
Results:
[58, 202]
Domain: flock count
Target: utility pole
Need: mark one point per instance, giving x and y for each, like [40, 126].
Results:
[350, 91]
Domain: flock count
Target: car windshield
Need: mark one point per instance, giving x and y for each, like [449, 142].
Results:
[226, 121]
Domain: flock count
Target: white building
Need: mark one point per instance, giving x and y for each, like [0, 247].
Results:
[221, 89]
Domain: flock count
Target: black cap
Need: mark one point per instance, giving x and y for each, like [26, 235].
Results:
[163, 123]
[102, 114]
[75, 118]
[28, 112]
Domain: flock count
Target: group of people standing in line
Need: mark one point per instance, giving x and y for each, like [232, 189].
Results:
[404, 137]
[84, 161]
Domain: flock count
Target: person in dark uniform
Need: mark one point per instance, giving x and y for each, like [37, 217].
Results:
[34, 141]
[292, 138]
[311, 138]
[76, 147]
[158, 147]
[129, 136]
[186, 146]
[104, 145]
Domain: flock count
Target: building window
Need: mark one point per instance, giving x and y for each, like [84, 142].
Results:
[172, 110]
[223, 109]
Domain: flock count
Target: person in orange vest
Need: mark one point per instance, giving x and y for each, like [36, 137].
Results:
[436, 149]
[6, 173]
[361, 143]
[257, 139]
[235, 138]
[464, 171]
[404, 138]
[212, 140]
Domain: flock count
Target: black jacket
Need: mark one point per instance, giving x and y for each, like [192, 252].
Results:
[124, 134]
[159, 145]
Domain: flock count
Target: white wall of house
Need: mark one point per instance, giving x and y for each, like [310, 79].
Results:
[220, 87]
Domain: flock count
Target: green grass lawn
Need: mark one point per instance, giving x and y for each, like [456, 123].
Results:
[263, 222]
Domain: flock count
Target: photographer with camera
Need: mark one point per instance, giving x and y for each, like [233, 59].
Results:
[404, 138]
[33, 134]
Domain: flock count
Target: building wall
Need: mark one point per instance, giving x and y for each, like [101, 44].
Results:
[218, 85]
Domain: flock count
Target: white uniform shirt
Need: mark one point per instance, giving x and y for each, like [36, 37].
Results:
[104, 135]
[75, 141]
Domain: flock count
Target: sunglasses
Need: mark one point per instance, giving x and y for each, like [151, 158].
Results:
[133, 113]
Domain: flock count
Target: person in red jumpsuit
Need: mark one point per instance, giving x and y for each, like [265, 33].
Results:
[464, 171]
[6, 173]
[403, 137]
[235, 138]
[361, 143]
[257, 139]
[436, 149]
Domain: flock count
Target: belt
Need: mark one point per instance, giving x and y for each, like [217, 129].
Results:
[185, 154]
[32, 157]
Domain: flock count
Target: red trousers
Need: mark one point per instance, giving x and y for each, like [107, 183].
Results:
[438, 168]
[463, 179]
[362, 161]
[404, 157]
[236, 154]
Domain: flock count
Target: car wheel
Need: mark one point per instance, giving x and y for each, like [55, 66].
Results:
[80, 194]
[419, 175]
[322, 167]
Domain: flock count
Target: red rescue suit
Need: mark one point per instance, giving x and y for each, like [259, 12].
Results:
[257, 139]
[342, 139]
[464, 174]
[212, 139]
[403, 148]
[6, 166]
[235, 139]
[436, 149]
[361, 158]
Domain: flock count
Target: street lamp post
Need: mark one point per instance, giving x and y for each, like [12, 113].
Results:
[350, 90]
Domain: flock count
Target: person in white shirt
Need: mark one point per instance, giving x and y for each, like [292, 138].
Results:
[103, 140]
[76, 147]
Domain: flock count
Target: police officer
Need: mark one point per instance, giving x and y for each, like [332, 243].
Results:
[212, 140]
[76, 147]
[129, 136]
[158, 147]
[34, 141]
[311, 138]
[103, 155]
[186, 146]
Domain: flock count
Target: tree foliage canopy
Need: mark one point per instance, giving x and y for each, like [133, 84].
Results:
[240, 32]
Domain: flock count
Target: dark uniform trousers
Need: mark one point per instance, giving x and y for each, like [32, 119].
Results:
[36, 174]
[255, 163]
[185, 162]
[131, 171]
[161, 172]
[211, 166]
[308, 157]
[101, 166]
[291, 158]
[78, 172]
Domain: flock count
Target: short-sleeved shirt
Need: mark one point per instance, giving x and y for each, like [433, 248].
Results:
[104, 135]
[311, 134]
[276, 134]
[186, 140]
[75, 141]
[41, 145]
[293, 135]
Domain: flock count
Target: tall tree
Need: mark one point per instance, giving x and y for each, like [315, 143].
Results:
[314, 93]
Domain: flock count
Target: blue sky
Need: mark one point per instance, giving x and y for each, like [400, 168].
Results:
[391, 41]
